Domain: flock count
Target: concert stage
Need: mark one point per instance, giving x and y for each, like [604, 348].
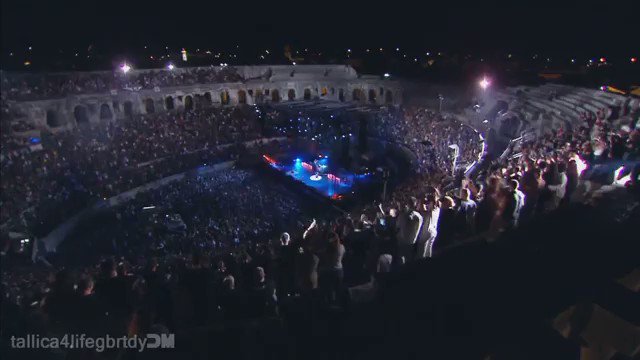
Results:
[318, 173]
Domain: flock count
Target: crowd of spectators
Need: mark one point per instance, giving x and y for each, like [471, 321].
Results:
[66, 171]
[429, 135]
[42, 86]
[244, 249]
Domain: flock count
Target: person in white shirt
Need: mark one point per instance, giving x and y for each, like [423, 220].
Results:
[412, 221]
[428, 235]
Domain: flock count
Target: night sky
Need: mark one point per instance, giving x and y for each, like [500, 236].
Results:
[120, 26]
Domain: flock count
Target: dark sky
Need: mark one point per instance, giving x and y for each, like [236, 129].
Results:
[574, 26]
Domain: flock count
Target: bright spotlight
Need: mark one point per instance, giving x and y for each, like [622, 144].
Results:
[171, 66]
[125, 68]
[386, 75]
[484, 83]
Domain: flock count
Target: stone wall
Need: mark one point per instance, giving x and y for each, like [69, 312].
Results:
[262, 84]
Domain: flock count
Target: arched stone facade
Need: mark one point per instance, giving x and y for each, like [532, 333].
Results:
[311, 82]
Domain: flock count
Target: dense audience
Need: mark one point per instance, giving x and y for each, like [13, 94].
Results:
[38, 86]
[230, 246]
[430, 135]
[66, 171]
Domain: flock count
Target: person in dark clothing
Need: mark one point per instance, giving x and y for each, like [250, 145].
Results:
[261, 297]
[331, 270]
[466, 213]
[88, 309]
[230, 302]
[488, 206]
[572, 180]
[112, 292]
[285, 267]
[359, 242]
[196, 281]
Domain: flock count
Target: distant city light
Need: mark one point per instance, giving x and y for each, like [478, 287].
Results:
[386, 75]
[602, 60]
[125, 68]
[294, 63]
[348, 50]
[573, 61]
[27, 63]
[184, 54]
[170, 66]
[633, 60]
[484, 83]
[397, 49]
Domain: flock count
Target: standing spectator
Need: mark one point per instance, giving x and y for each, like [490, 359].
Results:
[446, 224]
[429, 231]
[466, 213]
[331, 271]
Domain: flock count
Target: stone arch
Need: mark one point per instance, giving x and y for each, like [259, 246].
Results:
[307, 94]
[149, 106]
[258, 96]
[105, 112]
[80, 114]
[169, 103]
[324, 91]
[388, 97]
[242, 97]
[208, 100]
[52, 118]
[291, 94]
[341, 94]
[333, 91]
[128, 108]
[381, 91]
[198, 101]
[372, 96]
[224, 97]
[357, 95]
[275, 95]
[188, 103]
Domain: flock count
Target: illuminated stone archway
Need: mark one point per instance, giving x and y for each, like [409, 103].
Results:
[275, 95]
[224, 97]
[242, 97]
[188, 103]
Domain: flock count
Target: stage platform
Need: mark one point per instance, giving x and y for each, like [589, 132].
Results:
[318, 173]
